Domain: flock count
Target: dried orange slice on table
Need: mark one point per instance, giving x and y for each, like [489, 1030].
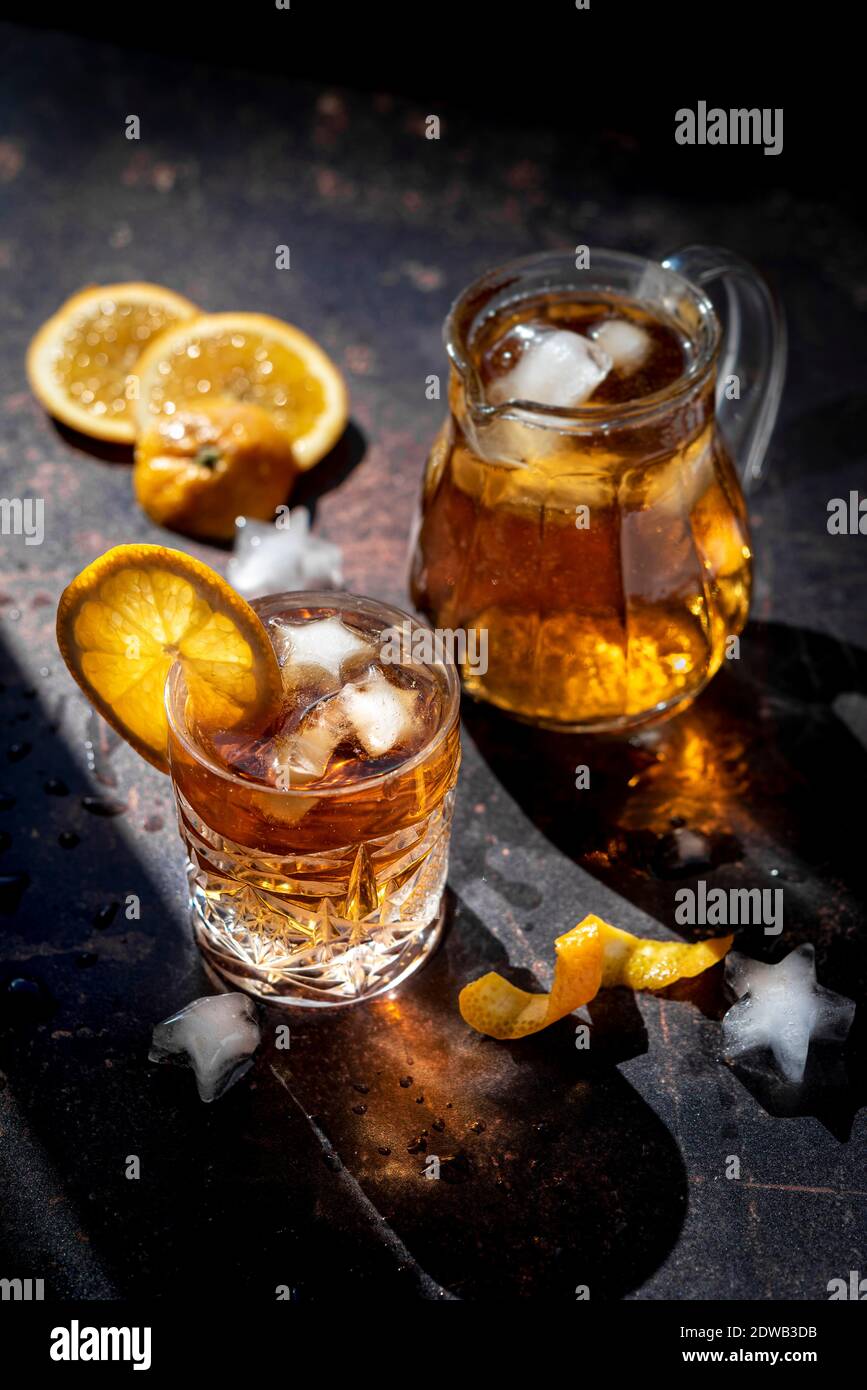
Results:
[137, 609]
[253, 358]
[83, 363]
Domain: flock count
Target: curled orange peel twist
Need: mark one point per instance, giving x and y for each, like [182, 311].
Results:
[590, 957]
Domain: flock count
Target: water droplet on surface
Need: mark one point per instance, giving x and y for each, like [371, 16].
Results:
[417, 1145]
[104, 916]
[16, 751]
[359, 1109]
[68, 839]
[12, 888]
[439, 1126]
[153, 824]
[24, 999]
[103, 806]
[360, 1087]
[478, 1126]
[55, 786]
[405, 1081]
[384, 1150]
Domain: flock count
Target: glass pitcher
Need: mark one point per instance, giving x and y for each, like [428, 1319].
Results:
[595, 558]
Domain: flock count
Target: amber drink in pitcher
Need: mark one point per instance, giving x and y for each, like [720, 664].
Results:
[581, 505]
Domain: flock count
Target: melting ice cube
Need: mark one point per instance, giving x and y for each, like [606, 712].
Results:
[380, 714]
[303, 755]
[781, 1008]
[626, 344]
[556, 367]
[216, 1036]
[270, 559]
[322, 645]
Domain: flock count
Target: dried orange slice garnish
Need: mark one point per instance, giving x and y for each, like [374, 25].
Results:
[137, 609]
[82, 364]
[590, 956]
[256, 359]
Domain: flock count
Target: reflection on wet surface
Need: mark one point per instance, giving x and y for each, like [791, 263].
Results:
[506, 1170]
[743, 789]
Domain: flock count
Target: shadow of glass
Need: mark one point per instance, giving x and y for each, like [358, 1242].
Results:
[508, 1169]
[81, 987]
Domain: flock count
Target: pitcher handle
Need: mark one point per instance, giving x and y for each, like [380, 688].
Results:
[753, 351]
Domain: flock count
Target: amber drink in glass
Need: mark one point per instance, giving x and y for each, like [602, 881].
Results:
[317, 849]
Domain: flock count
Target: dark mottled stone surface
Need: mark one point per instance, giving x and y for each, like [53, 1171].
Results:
[559, 1167]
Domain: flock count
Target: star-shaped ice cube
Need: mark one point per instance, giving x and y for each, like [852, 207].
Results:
[276, 559]
[217, 1036]
[782, 1008]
